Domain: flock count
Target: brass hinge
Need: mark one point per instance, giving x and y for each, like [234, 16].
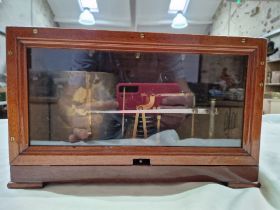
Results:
[12, 139]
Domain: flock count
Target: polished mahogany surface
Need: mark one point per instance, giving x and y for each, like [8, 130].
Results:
[44, 159]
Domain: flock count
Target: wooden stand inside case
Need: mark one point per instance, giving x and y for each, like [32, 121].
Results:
[32, 115]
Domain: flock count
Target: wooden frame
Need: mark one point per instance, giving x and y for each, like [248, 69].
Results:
[33, 159]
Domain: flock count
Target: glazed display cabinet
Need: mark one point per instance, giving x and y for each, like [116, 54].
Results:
[106, 106]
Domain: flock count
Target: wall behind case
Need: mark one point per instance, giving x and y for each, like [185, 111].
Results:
[22, 13]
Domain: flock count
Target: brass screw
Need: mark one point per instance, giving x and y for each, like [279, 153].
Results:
[35, 31]
[243, 40]
[10, 52]
[261, 84]
[142, 36]
[262, 63]
[12, 139]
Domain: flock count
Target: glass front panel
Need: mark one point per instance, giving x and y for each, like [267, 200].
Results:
[92, 97]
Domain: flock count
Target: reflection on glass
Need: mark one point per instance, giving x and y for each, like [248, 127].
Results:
[82, 97]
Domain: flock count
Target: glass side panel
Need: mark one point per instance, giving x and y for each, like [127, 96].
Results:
[90, 97]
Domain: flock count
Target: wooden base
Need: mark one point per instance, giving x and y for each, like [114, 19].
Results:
[25, 185]
[35, 176]
[39, 185]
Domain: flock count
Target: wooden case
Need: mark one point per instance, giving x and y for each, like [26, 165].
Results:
[31, 166]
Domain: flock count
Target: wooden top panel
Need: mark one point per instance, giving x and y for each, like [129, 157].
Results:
[131, 37]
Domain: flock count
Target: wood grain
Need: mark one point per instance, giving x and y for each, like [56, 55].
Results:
[38, 159]
[97, 174]
[128, 159]
[12, 95]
